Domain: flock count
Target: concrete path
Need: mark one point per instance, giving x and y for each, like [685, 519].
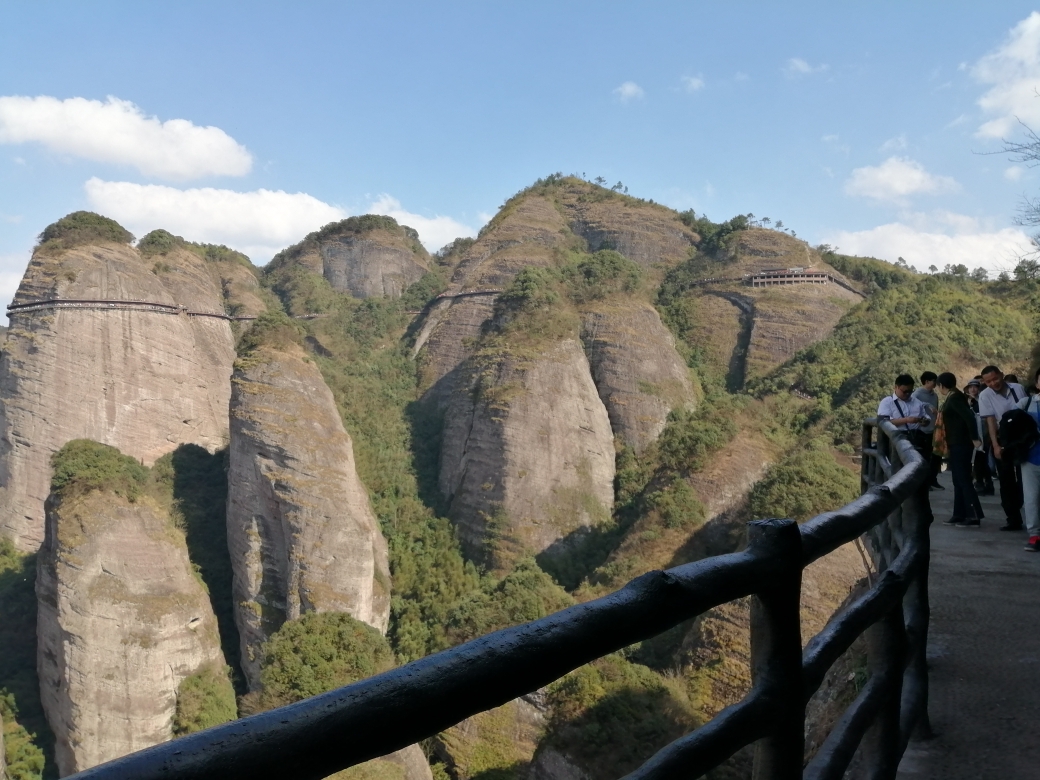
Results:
[984, 652]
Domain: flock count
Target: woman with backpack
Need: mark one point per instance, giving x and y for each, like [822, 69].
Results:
[960, 436]
[1031, 473]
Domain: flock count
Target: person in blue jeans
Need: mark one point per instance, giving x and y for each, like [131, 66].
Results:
[1031, 474]
[962, 432]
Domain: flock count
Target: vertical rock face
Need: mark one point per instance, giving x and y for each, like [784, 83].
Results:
[638, 373]
[122, 621]
[368, 256]
[646, 234]
[301, 532]
[522, 238]
[528, 456]
[143, 380]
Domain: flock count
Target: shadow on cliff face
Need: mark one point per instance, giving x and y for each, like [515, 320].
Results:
[200, 490]
[19, 685]
[426, 424]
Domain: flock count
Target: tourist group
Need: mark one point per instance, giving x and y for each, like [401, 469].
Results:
[990, 428]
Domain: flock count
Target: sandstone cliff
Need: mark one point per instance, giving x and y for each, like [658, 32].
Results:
[522, 237]
[527, 455]
[407, 764]
[368, 256]
[639, 375]
[748, 331]
[301, 532]
[533, 229]
[646, 233]
[141, 380]
[122, 621]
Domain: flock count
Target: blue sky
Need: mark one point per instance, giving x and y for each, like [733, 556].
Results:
[253, 124]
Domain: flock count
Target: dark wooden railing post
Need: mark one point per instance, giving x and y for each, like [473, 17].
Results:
[917, 518]
[776, 650]
[886, 651]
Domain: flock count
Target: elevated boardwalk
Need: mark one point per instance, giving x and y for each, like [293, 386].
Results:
[983, 652]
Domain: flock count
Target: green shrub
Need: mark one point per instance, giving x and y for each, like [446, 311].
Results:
[802, 485]
[531, 290]
[318, 653]
[714, 234]
[25, 760]
[524, 594]
[27, 736]
[82, 466]
[601, 274]
[204, 699]
[689, 436]
[161, 242]
[418, 294]
[83, 227]
[611, 715]
[273, 329]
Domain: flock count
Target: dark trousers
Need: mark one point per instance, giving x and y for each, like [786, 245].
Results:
[982, 473]
[1010, 490]
[966, 504]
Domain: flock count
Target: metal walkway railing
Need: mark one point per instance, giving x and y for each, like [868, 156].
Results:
[324, 734]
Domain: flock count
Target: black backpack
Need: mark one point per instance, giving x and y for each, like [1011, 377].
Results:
[1017, 434]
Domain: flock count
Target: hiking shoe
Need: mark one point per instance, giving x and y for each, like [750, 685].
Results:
[1012, 527]
[1033, 545]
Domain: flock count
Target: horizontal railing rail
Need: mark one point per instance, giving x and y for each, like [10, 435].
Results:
[319, 736]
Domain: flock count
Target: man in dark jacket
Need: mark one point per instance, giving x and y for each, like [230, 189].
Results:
[962, 438]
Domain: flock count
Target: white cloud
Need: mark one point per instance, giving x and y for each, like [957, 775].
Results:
[996, 250]
[693, 83]
[1014, 173]
[118, 132]
[796, 66]
[434, 232]
[894, 144]
[259, 223]
[629, 91]
[1013, 75]
[895, 179]
[741, 76]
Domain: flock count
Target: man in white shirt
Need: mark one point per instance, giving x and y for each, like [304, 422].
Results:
[999, 397]
[908, 414]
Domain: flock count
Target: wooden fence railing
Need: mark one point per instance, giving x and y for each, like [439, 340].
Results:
[324, 734]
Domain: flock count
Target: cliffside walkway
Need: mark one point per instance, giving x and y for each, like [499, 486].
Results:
[983, 652]
[48, 304]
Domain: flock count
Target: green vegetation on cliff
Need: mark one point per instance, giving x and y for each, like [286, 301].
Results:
[80, 228]
[204, 699]
[161, 242]
[803, 484]
[26, 733]
[83, 466]
[917, 323]
[317, 653]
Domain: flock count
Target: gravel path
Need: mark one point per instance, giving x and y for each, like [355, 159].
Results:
[984, 652]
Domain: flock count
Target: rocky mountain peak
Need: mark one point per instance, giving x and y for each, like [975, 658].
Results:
[367, 256]
[110, 343]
